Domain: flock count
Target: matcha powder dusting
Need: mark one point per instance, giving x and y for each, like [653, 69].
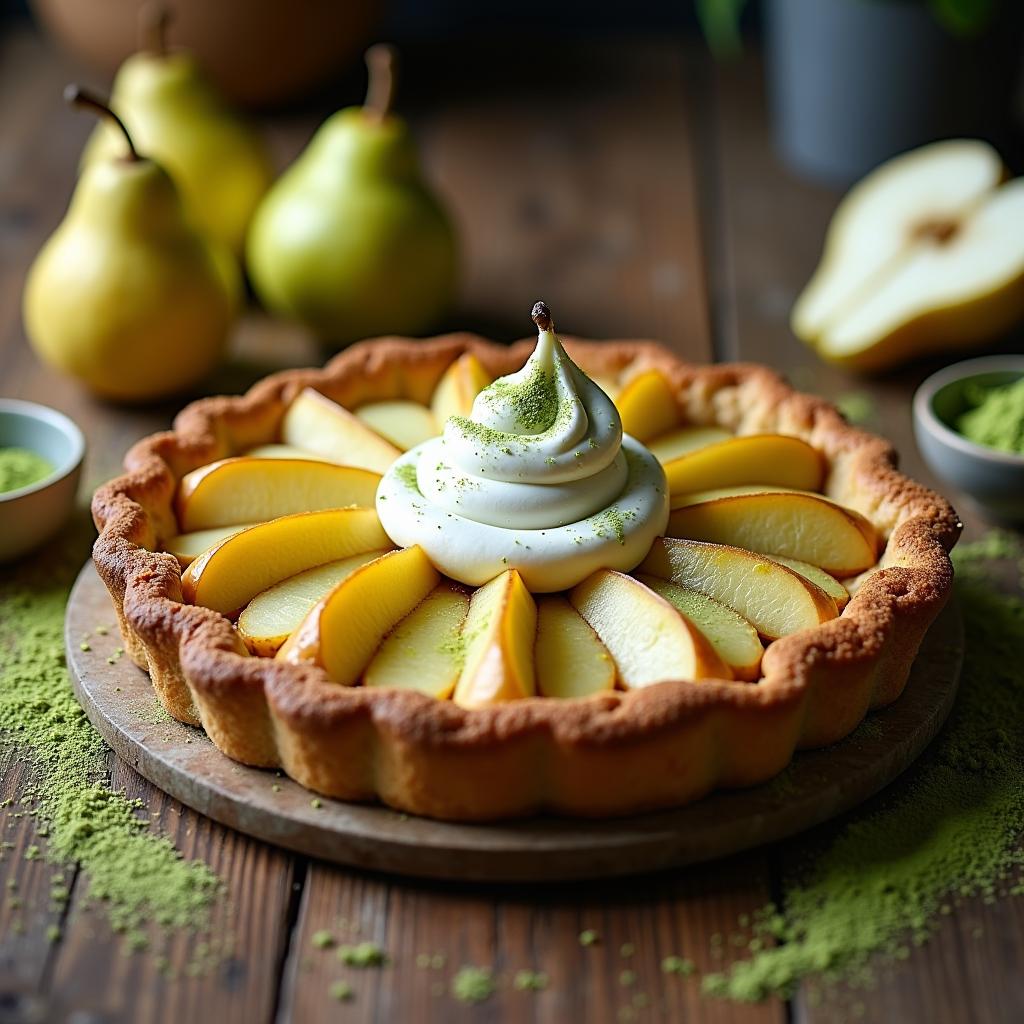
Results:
[138, 876]
[950, 830]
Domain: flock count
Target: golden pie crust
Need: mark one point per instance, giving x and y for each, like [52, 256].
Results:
[610, 754]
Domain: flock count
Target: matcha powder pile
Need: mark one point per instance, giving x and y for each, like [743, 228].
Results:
[950, 830]
[138, 876]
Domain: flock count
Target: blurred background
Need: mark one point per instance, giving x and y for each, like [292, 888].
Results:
[652, 169]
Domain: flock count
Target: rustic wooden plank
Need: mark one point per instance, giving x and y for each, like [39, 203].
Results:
[95, 973]
[430, 932]
[772, 226]
[576, 185]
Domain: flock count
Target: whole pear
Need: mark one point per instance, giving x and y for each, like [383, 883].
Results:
[350, 240]
[127, 295]
[176, 117]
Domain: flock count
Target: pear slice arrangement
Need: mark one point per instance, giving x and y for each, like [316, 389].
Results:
[925, 253]
[753, 552]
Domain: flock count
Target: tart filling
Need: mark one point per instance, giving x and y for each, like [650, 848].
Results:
[796, 577]
[538, 477]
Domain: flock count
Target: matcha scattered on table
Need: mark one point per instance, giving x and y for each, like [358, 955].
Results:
[995, 417]
[136, 876]
[20, 467]
[950, 829]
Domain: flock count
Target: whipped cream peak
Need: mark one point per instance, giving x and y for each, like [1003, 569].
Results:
[530, 479]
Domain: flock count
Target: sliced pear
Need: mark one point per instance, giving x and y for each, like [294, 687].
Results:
[961, 290]
[424, 651]
[775, 459]
[571, 660]
[229, 575]
[775, 600]
[880, 218]
[282, 451]
[734, 639]
[457, 388]
[247, 490]
[344, 628]
[926, 252]
[498, 639]
[405, 424]
[647, 406]
[684, 440]
[797, 525]
[187, 547]
[650, 641]
[271, 617]
[819, 578]
[315, 422]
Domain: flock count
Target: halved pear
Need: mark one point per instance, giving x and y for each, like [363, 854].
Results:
[424, 651]
[683, 440]
[647, 406]
[344, 628]
[774, 459]
[794, 524]
[282, 451]
[649, 640]
[775, 600]
[571, 660]
[734, 639]
[926, 252]
[247, 490]
[187, 547]
[405, 424]
[271, 617]
[498, 638]
[457, 389]
[229, 575]
[819, 578]
[315, 422]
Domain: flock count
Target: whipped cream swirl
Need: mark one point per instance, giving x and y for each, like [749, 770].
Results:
[538, 477]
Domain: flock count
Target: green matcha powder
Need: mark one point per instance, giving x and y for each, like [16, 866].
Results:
[995, 417]
[20, 467]
[135, 875]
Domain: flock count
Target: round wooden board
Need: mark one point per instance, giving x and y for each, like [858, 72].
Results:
[818, 785]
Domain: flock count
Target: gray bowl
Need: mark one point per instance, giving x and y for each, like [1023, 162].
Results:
[992, 479]
[30, 515]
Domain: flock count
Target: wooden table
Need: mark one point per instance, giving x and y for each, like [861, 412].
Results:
[634, 187]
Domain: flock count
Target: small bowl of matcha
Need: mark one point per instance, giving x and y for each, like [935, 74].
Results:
[41, 453]
[969, 424]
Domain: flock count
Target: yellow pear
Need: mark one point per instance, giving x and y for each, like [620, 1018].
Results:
[126, 295]
[176, 115]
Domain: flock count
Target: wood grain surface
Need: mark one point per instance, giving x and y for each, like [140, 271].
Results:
[632, 186]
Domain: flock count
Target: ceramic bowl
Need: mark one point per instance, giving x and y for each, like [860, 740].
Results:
[992, 479]
[29, 515]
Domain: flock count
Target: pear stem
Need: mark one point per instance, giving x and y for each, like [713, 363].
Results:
[542, 317]
[85, 100]
[154, 20]
[382, 63]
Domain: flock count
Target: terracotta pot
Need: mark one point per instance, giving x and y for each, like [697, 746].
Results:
[260, 52]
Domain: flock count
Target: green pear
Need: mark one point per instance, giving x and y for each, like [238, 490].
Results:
[350, 241]
[176, 116]
[126, 294]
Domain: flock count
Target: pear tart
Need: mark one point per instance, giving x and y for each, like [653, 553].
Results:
[476, 581]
